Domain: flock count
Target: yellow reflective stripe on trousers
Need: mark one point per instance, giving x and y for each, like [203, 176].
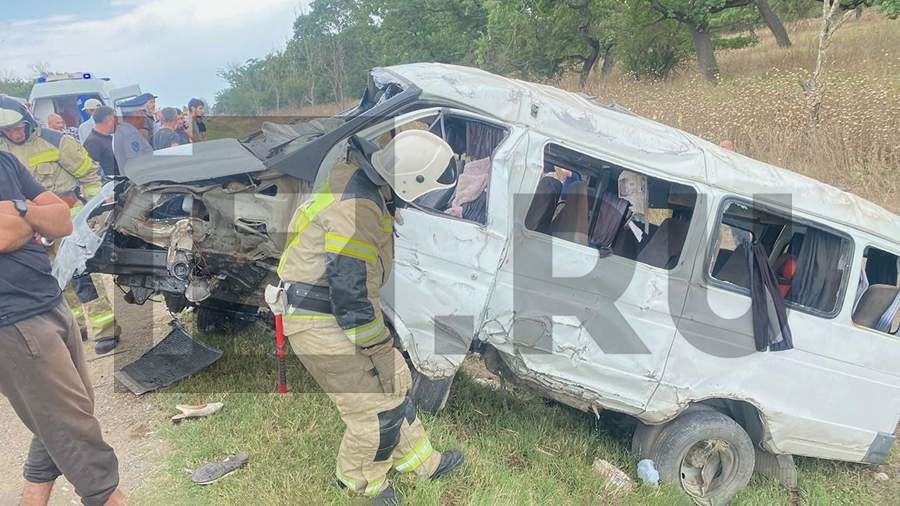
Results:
[84, 168]
[300, 316]
[419, 454]
[45, 157]
[343, 478]
[350, 247]
[78, 312]
[367, 333]
[308, 212]
[376, 487]
[101, 320]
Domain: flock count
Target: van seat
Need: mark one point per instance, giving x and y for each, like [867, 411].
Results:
[878, 304]
[666, 243]
[571, 222]
[736, 269]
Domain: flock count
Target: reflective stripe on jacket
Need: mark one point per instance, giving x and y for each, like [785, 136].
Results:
[342, 238]
[57, 161]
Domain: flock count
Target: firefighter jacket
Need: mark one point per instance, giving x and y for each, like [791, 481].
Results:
[58, 162]
[339, 251]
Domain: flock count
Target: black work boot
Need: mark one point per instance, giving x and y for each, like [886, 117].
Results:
[105, 344]
[450, 461]
[387, 497]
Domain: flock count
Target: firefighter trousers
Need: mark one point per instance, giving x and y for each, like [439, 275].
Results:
[369, 388]
[91, 305]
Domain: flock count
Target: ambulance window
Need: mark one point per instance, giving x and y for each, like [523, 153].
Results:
[877, 304]
[611, 208]
[810, 263]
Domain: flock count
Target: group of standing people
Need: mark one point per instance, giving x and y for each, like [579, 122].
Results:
[113, 141]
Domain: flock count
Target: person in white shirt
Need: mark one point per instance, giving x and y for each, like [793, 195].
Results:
[90, 105]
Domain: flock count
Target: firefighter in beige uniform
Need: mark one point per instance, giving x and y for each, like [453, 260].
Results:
[61, 165]
[338, 255]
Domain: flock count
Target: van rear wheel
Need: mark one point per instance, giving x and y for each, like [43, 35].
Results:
[707, 454]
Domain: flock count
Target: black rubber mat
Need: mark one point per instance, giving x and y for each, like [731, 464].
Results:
[176, 357]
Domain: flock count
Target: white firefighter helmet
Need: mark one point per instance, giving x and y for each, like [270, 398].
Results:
[413, 162]
[12, 112]
[10, 117]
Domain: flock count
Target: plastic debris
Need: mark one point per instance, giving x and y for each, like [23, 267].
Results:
[189, 411]
[646, 471]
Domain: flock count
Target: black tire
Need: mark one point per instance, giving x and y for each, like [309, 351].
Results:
[643, 442]
[706, 454]
[646, 437]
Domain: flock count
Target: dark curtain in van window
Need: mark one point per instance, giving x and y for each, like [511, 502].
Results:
[482, 140]
[819, 271]
[881, 269]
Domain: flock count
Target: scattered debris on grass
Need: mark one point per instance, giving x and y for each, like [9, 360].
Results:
[613, 475]
[189, 411]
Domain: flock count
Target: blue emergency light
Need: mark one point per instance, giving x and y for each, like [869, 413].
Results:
[86, 75]
[41, 79]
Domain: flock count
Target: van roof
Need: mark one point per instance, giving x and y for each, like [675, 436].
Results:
[69, 87]
[579, 119]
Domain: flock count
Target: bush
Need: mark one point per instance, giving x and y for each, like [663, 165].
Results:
[653, 49]
[657, 58]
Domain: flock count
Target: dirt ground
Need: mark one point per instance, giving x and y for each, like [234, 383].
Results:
[122, 415]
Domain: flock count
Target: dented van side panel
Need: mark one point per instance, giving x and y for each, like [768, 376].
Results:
[831, 396]
[445, 269]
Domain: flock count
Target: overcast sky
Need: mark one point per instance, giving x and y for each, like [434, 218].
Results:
[173, 48]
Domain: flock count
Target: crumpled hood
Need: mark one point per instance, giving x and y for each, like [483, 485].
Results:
[193, 162]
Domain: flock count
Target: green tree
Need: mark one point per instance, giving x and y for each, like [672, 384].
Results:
[695, 16]
[771, 19]
[14, 86]
[652, 47]
[445, 31]
[543, 38]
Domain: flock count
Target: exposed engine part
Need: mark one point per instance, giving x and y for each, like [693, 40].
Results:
[181, 269]
[197, 290]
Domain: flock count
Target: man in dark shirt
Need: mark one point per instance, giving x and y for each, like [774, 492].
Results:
[99, 143]
[42, 368]
[166, 137]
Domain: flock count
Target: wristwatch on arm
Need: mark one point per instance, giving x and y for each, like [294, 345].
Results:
[21, 206]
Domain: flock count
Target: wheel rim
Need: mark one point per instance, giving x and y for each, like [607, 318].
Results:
[707, 467]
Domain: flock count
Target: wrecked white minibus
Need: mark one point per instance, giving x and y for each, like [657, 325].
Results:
[741, 312]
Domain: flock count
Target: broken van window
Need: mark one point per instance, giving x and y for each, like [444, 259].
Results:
[878, 297]
[611, 208]
[473, 143]
[810, 263]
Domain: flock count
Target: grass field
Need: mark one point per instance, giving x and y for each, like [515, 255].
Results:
[520, 449]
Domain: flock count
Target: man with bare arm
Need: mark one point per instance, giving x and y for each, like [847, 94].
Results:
[42, 368]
